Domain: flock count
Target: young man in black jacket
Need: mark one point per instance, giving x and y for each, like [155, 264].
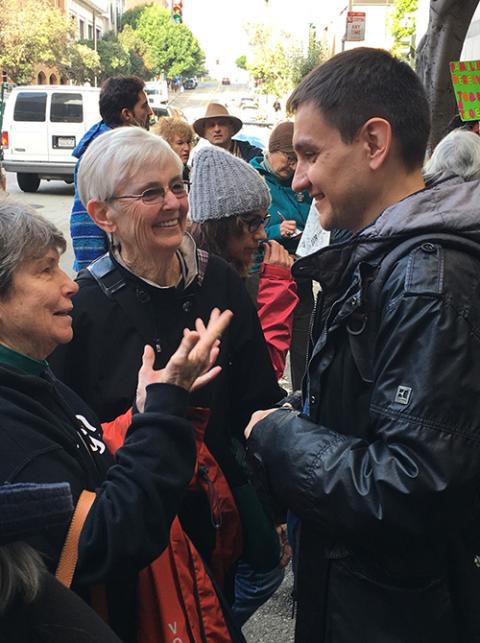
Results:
[382, 465]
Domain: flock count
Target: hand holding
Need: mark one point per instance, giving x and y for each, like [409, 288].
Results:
[288, 228]
[276, 254]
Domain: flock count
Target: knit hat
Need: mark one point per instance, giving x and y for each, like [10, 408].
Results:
[27, 507]
[213, 112]
[281, 138]
[224, 186]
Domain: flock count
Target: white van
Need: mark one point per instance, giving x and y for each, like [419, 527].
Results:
[157, 93]
[41, 126]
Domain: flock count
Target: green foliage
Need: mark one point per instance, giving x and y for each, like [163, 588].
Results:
[403, 29]
[131, 16]
[169, 47]
[304, 63]
[31, 32]
[81, 64]
[277, 62]
[241, 62]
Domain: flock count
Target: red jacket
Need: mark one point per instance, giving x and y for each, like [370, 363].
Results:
[276, 300]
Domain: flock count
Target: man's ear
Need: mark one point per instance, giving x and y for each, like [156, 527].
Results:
[126, 116]
[101, 214]
[376, 134]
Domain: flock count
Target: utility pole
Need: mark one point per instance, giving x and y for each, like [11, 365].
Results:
[348, 8]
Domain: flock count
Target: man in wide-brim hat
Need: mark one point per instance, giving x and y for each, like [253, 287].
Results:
[218, 127]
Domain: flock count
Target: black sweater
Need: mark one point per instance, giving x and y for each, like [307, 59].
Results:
[50, 435]
[102, 361]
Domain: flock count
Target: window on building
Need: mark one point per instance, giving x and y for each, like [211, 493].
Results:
[81, 29]
[90, 32]
[99, 34]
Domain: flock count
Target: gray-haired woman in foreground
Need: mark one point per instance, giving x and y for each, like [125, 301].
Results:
[50, 435]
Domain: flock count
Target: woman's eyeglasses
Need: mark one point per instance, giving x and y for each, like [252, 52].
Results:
[157, 195]
[253, 223]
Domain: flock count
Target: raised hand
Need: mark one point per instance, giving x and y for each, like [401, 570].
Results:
[192, 364]
[275, 253]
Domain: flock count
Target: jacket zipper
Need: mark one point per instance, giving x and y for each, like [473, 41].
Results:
[213, 499]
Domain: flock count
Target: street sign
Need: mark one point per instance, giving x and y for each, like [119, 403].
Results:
[466, 86]
[355, 26]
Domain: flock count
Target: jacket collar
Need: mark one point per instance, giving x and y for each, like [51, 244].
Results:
[450, 205]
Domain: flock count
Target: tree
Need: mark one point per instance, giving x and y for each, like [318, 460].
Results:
[81, 63]
[31, 32]
[169, 47]
[241, 62]
[271, 60]
[448, 25]
[403, 29]
[303, 64]
[131, 16]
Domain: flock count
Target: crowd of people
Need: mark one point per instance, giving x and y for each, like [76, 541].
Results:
[157, 478]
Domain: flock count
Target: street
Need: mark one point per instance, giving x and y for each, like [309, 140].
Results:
[273, 622]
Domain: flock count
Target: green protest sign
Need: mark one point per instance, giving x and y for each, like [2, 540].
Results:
[466, 85]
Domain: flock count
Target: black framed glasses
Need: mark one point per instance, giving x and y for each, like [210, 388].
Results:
[253, 223]
[157, 195]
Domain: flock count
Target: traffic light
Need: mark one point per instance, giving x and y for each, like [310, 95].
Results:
[177, 8]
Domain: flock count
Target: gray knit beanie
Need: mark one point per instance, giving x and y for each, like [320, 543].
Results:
[224, 186]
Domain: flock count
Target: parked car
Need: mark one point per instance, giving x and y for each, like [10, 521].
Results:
[190, 83]
[157, 92]
[248, 102]
[225, 80]
[41, 126]
[167, 110]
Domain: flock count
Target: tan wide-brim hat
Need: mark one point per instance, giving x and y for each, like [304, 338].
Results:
[215, 110]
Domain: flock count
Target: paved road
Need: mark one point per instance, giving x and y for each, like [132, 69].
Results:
[54, 201]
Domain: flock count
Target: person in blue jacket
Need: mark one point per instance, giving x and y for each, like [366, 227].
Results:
[122, 102]
[288, 216]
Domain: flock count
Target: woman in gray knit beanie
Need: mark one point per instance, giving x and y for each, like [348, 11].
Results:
[229, 203]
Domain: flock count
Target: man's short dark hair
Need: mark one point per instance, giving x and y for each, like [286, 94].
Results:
[117, 93]
[364, 83]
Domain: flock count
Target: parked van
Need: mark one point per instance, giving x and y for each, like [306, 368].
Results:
[41, 126]
[157, 92]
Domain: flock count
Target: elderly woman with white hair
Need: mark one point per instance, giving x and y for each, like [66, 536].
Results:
[50, 435]
[152, 284]
[458, 154]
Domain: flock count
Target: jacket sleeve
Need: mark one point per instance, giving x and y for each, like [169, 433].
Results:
[88, 240]
[417, 476]
[276, 300]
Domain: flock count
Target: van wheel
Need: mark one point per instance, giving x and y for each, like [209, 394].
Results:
[28, 182]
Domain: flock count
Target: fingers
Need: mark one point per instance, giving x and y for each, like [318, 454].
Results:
[267, 252]
[148, 358]
[206, 378]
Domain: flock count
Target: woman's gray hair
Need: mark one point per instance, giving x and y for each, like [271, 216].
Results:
[21, 570]
[458, 153]
[24, 235]
[117, 155]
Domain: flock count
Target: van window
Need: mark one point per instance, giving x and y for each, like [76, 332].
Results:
[66, 108]
[30, 106]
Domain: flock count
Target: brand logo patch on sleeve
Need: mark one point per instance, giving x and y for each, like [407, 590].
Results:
[403, 395]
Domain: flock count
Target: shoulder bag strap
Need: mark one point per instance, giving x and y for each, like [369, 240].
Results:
[69, 556]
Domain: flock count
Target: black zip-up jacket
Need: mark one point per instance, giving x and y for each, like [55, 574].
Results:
[102, 360]
[383, 467]
[50, 435]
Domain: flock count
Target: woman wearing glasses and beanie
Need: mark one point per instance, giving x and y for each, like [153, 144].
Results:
[288, 216]
[150, 286]
[229, 205]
